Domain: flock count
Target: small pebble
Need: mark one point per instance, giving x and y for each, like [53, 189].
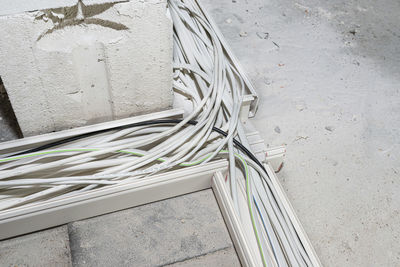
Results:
[243, 34]
[329, 128]
[300, 107]
[228, 21]
[277, 129]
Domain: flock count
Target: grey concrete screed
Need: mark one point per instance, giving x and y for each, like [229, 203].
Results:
[328, 76]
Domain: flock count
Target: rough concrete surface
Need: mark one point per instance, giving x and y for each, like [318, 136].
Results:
[328, 73]
[86, 63]
[221, 258]
[165, 232]
[183, 231]
[44, 248]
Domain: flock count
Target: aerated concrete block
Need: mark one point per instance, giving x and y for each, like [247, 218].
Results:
[181, 229]
[86, 62]
[45, 248]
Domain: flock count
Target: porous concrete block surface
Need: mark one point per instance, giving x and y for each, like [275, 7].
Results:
[91, 62]
[160, 233]
[45, 248]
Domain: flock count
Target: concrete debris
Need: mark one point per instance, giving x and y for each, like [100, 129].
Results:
[243, 34]
[262, 35]
[300, 107]
[276, 44]
[299, 137]
[329, 128]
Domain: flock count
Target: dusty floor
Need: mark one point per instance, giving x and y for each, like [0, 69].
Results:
[184, 231]
[328, 73]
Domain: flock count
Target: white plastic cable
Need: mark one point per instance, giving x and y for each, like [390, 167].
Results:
[204, 75]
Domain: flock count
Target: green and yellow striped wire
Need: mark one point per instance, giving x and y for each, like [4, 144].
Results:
[185, 164]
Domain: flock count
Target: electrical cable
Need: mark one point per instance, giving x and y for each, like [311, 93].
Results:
[204, 75]
[150, 122]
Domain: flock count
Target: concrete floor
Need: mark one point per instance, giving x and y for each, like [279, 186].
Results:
[328, 74]
[184, 231]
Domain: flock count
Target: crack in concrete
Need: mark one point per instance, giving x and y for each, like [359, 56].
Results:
[197, 256]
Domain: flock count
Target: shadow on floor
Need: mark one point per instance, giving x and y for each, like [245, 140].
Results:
[9, 128]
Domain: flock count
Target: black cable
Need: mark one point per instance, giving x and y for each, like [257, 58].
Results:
[144, 123]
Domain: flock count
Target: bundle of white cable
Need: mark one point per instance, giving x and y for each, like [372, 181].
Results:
[204, 75]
